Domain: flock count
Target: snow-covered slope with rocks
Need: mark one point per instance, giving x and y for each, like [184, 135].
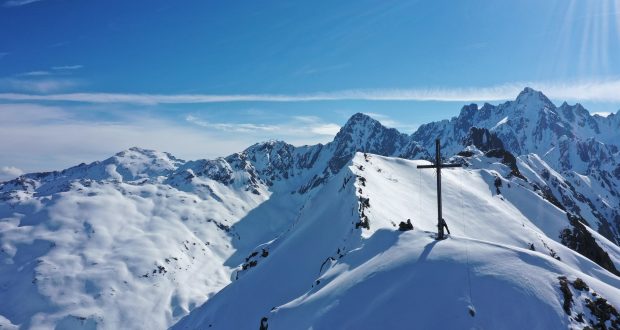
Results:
[583, 149]
[142, 238]
[504, 253]
[142, 228]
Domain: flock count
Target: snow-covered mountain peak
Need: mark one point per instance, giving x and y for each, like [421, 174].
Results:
[267, 145]
[138, 163]
[533, 99]
[359, 118]
[362, 125]
[363, 133]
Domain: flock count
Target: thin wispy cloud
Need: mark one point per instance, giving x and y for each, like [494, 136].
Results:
[34, 73]
[36, 84]
[3, 54]
[67, 67]
[232, 127]
[296, 126]
[307, 70]
[53, 71]
[603, 91]
[19, 113]
[17, 3]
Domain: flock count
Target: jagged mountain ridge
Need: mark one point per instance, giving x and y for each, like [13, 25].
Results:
[574, 143]
[230, 208]
[533, 124]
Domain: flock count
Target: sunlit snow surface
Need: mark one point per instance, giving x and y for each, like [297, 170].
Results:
[325, 274]
[112, 249]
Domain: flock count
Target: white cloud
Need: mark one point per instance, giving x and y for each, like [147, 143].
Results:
[67, 67]
[293, 129]
[602, 113]
[9, 172]
[232, 127]
[17, 3]
[38, 85]
[18, 113]
[389, 122]
[604, 91]
[35, 73]
[307, 119]
[325, 129]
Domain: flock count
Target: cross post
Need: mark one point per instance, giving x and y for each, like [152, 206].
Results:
[438, 165]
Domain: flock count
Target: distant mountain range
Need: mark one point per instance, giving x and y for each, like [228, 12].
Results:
[291, 237]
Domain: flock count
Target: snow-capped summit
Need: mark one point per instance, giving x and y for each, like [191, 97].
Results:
[363, 133]
[533, 99]
[135, 163]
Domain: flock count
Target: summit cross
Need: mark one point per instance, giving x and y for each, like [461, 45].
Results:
[438, 165]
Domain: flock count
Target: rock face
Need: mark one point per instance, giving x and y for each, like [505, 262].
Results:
[482, 139]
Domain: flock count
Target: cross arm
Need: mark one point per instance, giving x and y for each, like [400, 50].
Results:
[451, 165]
[442, 165]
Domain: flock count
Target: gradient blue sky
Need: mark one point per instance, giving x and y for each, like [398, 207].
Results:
[81, 80]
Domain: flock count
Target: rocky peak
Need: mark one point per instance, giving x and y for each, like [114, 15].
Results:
[268, 146]
[361, 127]
[274, 158]
[363, 133]
[358, 126]
[531, 95]
[468, 111]
[533, 99]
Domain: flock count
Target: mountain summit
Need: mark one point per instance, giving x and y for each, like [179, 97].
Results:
[533, 99]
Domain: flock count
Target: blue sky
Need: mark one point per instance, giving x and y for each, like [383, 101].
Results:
[81, 80]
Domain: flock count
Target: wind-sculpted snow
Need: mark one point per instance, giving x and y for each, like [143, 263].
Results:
[112, 246]
[503, 255]
[110, 254]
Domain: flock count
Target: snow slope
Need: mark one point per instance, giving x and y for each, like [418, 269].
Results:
[129, 242]
[325, 273]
